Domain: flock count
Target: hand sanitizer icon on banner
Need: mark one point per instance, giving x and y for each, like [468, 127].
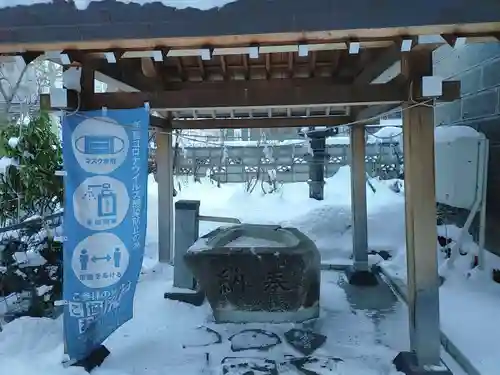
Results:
[106, 202]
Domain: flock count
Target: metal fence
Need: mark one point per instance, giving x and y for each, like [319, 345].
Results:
[290, 161]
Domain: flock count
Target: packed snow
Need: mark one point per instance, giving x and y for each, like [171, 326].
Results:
[83, 4]
[467, 295]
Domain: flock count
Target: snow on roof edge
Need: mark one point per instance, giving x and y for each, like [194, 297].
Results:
[83, 4]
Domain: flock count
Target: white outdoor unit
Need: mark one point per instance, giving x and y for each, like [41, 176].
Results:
[461, 176]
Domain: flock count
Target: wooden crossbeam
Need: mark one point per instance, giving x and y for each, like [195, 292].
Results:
[451, 92]
[261, 123]
[273, 93]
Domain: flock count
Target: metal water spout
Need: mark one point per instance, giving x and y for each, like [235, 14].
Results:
[316, 135]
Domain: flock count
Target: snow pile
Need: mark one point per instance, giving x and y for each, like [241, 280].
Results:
[444, 134]
[326, 222]
[6, 162]
[13, 3]
[13, 142]
[389, 133]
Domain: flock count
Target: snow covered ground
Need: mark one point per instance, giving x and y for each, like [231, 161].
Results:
[152, 343]
[162, 335]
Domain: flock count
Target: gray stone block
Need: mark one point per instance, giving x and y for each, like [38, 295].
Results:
[491, 74]
[481, 105]
[470, 82]
[490, 128]
[448, 113]
[258, 273]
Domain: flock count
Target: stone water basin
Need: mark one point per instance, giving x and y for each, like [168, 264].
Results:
[257, 273]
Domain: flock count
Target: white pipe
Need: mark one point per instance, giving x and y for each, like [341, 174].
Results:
[482, 218]
[475, 208]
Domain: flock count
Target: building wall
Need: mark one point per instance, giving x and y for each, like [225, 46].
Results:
[477, 66]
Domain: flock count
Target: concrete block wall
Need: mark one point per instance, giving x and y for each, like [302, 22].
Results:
[477, 66]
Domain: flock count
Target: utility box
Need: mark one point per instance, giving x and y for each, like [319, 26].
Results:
[460, 169]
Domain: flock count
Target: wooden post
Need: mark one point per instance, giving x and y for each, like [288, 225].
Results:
[165, 177]
[421, 232]
[358, 198]
[87, 82]
[359, 274]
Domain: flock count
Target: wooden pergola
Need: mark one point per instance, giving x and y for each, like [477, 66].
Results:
[314, 63]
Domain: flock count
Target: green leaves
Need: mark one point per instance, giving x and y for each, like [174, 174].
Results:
[31, 187]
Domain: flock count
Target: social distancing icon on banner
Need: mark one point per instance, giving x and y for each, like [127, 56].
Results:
[100, 260]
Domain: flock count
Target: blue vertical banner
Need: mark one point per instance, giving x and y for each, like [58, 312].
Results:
[106, 163]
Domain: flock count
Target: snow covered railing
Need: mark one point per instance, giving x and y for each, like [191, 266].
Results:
[219, 219]
[33, 221]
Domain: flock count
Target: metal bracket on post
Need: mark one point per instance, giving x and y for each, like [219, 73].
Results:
[186, 233]
[187, 226]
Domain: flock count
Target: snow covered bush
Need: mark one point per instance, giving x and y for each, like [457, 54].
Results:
[30, 261]
[30, 271]
[28, 183]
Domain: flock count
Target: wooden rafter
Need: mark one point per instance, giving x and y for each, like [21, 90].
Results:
[201, 66]
[290, 64]
[180, 68]
[223, 66]
[379, 65]
[245, 66]
[268, 65]
[312, 63]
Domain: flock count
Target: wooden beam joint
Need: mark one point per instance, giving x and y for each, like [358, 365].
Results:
[454, 40]
[29, 57]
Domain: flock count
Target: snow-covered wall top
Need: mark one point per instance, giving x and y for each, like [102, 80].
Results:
[46, 21]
